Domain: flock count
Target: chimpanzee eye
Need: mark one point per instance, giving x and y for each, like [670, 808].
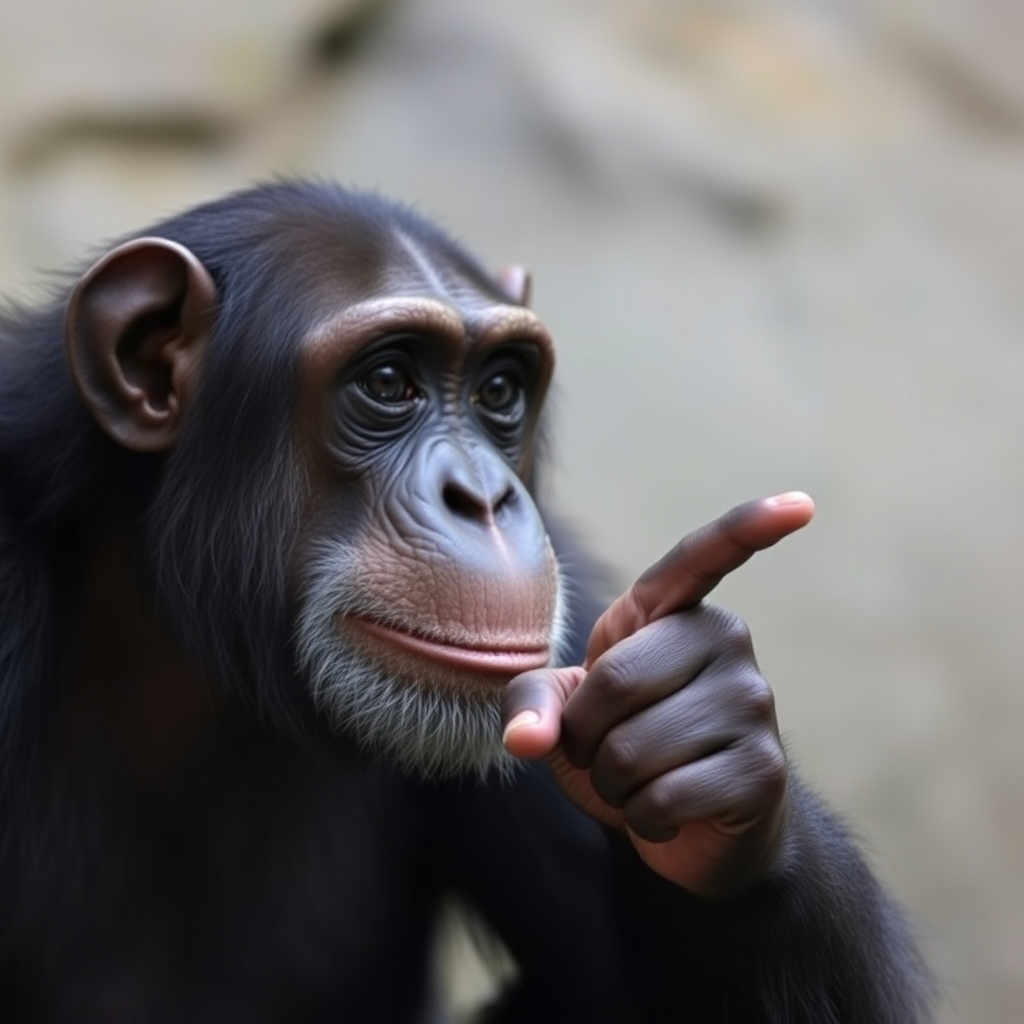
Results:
[388, 384]
[501, 395]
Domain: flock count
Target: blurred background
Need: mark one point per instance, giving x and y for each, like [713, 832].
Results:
[779, 244]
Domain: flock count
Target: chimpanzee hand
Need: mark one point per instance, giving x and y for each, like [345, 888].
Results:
[668, 730]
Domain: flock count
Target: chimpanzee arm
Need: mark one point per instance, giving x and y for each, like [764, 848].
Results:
[596, 935]
[818, 942]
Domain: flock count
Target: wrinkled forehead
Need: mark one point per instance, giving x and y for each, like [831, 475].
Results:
[339, 265]
[418, 271]
[391, 280]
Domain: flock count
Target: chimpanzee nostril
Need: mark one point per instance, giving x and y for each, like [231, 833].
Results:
[464, 503]
[467, 503]
[505, 501]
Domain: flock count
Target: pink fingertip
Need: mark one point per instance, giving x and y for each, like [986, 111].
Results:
[521, 721]
[790, 498]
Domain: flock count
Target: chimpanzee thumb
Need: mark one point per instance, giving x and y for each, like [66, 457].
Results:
[531, 709]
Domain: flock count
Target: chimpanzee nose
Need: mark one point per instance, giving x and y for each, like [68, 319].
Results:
[477, 493]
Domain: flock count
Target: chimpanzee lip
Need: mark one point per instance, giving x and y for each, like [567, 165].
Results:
[507, 658]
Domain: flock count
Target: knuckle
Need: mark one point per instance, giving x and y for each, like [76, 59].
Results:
[618, 757]
[759, 698]
[732, 630]
[737, 632]
[656, 804]
[612, 679]
[771, 769]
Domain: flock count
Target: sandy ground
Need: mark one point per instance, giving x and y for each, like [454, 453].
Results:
[775, 252]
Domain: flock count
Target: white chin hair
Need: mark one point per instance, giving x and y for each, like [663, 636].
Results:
[410, 713]
[415, 721]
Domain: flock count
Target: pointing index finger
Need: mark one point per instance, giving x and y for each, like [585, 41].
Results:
[698, 563]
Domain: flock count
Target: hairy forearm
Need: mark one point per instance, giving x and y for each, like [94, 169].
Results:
[816, 942]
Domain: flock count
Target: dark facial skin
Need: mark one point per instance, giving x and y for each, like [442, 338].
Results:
[423, 414]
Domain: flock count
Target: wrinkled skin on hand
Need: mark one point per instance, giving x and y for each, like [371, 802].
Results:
[668, 729]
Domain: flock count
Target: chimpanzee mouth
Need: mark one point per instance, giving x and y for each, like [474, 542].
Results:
[500, 658]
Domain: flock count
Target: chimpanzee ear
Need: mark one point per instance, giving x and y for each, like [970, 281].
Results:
[515, 282]
[135, 333]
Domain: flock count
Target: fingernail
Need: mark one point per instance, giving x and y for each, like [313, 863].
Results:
[524, 718]
[789, 498]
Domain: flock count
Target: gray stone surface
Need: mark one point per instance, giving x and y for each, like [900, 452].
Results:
[779, 245]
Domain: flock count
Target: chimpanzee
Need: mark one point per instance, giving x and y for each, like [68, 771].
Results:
[273, 584]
